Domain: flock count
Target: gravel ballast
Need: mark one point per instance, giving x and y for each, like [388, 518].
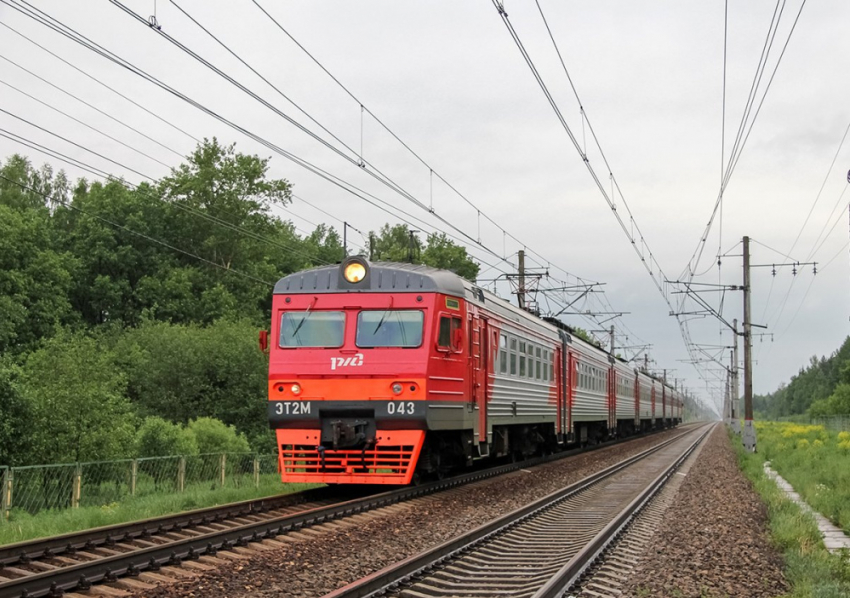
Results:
[318, 565]
[713, 541]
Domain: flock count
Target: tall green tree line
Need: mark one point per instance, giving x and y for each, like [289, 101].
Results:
[820, 388]
[129, 315]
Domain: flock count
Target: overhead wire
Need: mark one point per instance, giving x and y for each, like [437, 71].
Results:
[432, 171]
[102, 84]
[187, 209]
[71, 34]
[136, 233]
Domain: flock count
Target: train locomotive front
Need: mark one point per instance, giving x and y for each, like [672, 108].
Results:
[365, 360]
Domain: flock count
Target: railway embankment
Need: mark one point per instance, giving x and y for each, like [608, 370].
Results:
[715, 538]
[314, 566]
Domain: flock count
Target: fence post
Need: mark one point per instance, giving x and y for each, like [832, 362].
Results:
[77, 486]
[256, 471]
[223, 469]
[134, 472]
[181, 474]
[6, 488]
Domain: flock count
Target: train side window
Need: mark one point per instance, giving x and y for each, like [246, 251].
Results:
[545, 365]
[537, 364]
[446, 335]
[503, 354]
[513, 357]
[522, 360]
[444, 339]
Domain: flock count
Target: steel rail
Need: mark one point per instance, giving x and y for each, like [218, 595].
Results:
[393, 576]
[83, 575]
[572, 571]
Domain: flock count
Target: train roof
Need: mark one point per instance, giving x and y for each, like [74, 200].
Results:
[384, 277]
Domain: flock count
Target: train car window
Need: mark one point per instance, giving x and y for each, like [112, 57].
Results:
[503, 354]
[522, 360]
[312, 329]
[389, 328]
[513, 357]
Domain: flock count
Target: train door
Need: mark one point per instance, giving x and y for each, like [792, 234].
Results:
[571, 379]
[612, 400]
[653, 414]
[478, 369]
[637, 403]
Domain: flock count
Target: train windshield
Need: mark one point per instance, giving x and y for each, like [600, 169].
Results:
[390, 328]
[312, 329]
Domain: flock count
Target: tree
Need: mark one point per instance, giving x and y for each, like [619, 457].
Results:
[181, 372]
[838, 403]
[79, 410]
[15, 425]
[396, 244]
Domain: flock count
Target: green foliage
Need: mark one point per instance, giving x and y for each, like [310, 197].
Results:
[181, 372]
[813, 387]
[213, 436]
[157, 437]
[395, 244]
[15, 432]
[811, 570]
[79, 411]
[838, 403]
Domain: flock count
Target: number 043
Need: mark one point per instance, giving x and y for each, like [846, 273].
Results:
[400, 408]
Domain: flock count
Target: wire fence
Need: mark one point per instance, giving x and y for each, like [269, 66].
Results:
[836, 423]
[35, 488]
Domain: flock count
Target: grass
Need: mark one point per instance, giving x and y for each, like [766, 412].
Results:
[24, 526]
[811, 570]
[813, 460]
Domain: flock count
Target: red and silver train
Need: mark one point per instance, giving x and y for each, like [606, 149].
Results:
[382, 371]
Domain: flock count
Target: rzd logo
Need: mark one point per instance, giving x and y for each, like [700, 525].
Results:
[342, 362]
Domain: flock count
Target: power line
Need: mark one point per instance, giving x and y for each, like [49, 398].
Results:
[98, 81]
[199, 213]
[112, 57]
[135, 232]
[431, 169]
[376, 174]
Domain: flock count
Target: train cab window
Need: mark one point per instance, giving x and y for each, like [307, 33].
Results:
[503, 354]
[389, 328]
[312, 329]
[448, 325]
[513, 357]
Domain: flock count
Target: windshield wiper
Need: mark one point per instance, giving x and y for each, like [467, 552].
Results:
[383, 317]
[307, 314]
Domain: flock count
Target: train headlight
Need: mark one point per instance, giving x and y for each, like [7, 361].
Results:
[354, 272]
[296, 389]
[397, 388]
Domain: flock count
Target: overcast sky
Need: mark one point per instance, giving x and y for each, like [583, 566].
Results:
[448, 80]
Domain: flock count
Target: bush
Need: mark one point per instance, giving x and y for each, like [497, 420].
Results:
[214, 436]
[159, 438]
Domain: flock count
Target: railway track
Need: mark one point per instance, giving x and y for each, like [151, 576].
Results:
[125, 553]
[540, 550]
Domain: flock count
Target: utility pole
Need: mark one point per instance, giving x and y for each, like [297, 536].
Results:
[612, 340]
[344, 238]
[735, 405]
[411, 245]
[521, 290]
[749, 434]
[371, 247]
